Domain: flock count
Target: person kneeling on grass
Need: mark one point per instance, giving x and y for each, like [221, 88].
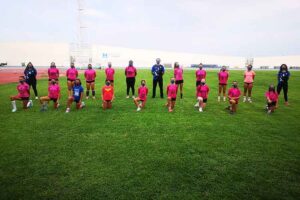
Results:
[234, 94]
[107, 96]
[140, 101]
[172, 94]
[272, 99]
[202, 94]
[23, 95]
[53, 95]
[76, 95]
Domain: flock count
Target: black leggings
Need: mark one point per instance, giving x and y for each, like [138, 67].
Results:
[160, 84]
[33, 84]
[130, 82]
[283, 86]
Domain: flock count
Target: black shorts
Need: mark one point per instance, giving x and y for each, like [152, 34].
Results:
[107, 101]
[273, 103]
[204, 100]
[70, 80]
[173, 99]
[24, 98]
[223, 84]
[90, 81]
[53, 99]
[77, 100]
[50, 79]
[109, 80]
[178, 82]
[198, 83]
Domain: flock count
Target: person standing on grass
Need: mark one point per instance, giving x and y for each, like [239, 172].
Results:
[107, 96]
[53, 95]
[130, 73]
[158, 71]
[110, 72]
[200, 74]
[23, 95]
[172, 94]
[283, 78]
[223, 76]
[76, 95]
[30, 77]
[249, 76]
[272, 98]
[178, 74]
[90, 75]
[53, 73]
[202, 95]
[234, 94]
[71, 74]
[140, 101]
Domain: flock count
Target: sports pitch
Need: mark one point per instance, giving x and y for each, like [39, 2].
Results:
[152, 154]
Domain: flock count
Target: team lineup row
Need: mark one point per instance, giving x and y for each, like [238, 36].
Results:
[76, 91]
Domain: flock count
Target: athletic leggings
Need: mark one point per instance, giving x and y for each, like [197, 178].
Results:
[130, 82]
[283, 86]
[32, 83]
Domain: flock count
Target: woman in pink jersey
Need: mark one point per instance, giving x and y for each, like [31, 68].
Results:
[202, 95]
[71, 74]
[172, 94]
[178, 74]
[90, 75]
[272, 99]
[23, 95]
[200, 74]
[110, 72]
[53, 73]
[223, 78]
[140, 101]
[234, 94]
[249, 76]
[53, 95]
[130, 73]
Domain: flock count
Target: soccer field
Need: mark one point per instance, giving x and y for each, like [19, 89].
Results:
[152, 154]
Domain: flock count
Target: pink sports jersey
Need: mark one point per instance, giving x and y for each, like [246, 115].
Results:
[172, 90]
[72, 73]
[143, 92]
[130, 72]
[200, 74]
[202, 91]
[223, 77]
[53, 73]
[23, 90]
[90, 75]
[273, 96]
[53, 91]
[234, 92]
[178, 74]
[110, 72]
[249, 76]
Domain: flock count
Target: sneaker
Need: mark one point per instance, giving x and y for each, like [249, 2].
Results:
[269, 111]
[127, 97]
[29, 104]
[196, 105]
[94, 97]
[82, 105]
[68, 110]
[200, 109]
[13, 110]
[249, 100]
[36, 98]
[133, 96]
[138, 109]
[57, 106]
[224, 98]
[219, 98]
[87, 97]
[245, 99]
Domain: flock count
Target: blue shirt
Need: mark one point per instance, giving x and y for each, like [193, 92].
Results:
[283, 77]
[157, 71]
[77, 90]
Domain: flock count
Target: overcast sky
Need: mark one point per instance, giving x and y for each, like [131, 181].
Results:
[220, 27]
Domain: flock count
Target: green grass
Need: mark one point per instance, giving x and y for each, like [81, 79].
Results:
[153, 154]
